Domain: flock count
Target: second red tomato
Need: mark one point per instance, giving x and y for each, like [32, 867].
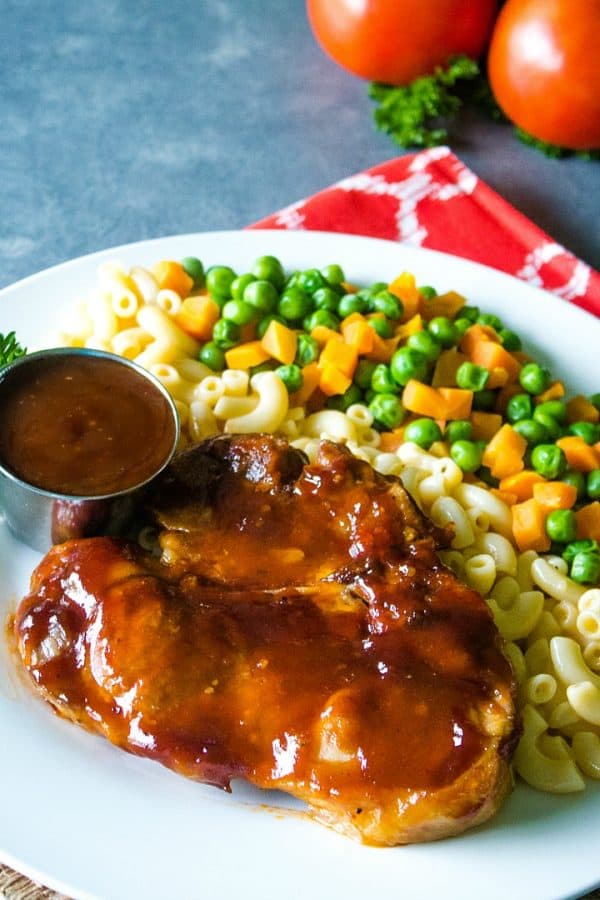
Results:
[395, 41]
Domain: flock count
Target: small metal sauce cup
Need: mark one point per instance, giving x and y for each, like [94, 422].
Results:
[43, 518]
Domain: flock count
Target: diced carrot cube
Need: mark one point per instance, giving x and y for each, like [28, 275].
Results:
[197, 316]
[245, 356]
[580, 409]
[457, 402]
[521, 484]
[529, 526]
[358, 334]
[555, 495]
[424, 400]
[280, 342]
[475, 335]
[580, 456]
[171, 275]
[405, 288]
[493, 356]
[341, 355]
[485, 424]
[504, 453]
[588, 521]
[333, 381]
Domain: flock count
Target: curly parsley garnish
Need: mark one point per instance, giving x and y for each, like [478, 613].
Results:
[414, 115]
[10, 348]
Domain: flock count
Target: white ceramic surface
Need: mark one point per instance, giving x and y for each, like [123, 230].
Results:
[92, 821]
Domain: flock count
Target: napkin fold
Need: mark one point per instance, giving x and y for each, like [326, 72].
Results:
[431, 199]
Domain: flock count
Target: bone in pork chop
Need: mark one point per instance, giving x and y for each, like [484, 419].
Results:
[298, 631]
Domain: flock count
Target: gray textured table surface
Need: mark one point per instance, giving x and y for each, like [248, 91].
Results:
[128, 119]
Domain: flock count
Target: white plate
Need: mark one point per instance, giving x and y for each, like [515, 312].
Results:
[92, 821]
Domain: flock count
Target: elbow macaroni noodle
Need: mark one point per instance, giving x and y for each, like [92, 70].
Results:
[551, 624]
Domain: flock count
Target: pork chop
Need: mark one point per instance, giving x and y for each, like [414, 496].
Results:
[297, 631]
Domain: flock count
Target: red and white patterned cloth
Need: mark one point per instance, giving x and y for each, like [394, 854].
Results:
[431, 199]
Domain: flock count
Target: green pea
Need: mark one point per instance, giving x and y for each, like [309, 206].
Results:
[291, 376]
[239, 284]
[387, 410]
[466, 454]
[585, 568]
[443, 330]
[351, 303]
[218, 282]
[423, 432]
[310, 280]
[472, 377]
[510, 340]
[364, 372]
[194, 268]
[533, 431]
[427, 292]
[388, 304]
[212, 356]
[262, 295]
[264, 323]
[333, 274]
[294, 304]
[373, 289]
[425, 343]
[458, 430]
[555, 408]
[326, 298]
[561, 525]
[471, 313]
[519, 407]
[578, 481]
[226, 334]
[461, 326]
[268, 268]
[549, 460]
[585, 545]
[484, 400]
[491, 320]
[593, 484]
[307, 350]
[381, 326]
[321, 317]
[341, 402]
[588, 431]
[292, 280]
[382, 381]
[239, 312]
[553, 429]
[534, 379]
[407, 363]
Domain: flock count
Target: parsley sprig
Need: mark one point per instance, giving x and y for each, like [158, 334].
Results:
[10, 348]
[414, 115]
[417, 115]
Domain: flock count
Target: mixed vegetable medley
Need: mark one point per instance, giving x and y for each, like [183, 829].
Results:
[431, 369]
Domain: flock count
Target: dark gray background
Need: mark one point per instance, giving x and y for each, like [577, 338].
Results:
[127, 119]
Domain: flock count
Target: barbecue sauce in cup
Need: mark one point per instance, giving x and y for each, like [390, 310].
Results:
[80, 426]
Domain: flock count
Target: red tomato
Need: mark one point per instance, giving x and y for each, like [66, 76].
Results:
[395, 41]
[544, 69]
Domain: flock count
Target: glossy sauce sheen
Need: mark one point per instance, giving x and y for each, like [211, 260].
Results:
[83, 425]
[301, 634]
